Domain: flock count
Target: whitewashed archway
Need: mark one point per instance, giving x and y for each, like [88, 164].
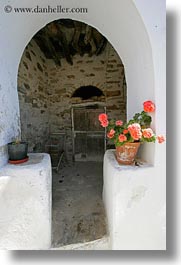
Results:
[136, 29]
[119, 21]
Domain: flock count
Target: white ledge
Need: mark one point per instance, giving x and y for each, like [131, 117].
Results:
[36, 161]
[134, 204]
[140, 164]
[26, 204]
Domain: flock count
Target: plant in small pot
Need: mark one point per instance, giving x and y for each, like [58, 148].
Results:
[17, 151]
[127, 137]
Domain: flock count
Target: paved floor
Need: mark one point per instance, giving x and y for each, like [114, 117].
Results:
[78, 212]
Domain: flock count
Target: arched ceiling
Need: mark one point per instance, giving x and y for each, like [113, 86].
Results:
[65, 37]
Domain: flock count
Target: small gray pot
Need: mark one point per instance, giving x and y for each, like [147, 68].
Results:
[17, 151]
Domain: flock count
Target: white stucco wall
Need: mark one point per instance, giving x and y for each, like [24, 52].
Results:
[136, 29]
[135, 206]
[26, 204]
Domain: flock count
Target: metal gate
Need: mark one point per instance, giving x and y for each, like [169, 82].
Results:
[89, 141]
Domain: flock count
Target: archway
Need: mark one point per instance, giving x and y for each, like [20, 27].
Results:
[50, 72]
[137, 59]
[69, 74]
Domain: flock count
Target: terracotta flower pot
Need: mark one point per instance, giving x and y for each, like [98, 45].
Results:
[126, 153]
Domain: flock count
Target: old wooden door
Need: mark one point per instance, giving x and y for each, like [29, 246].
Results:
[88, 135]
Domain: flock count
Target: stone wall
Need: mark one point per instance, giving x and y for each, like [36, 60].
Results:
[115, 86]
[33, 97]
[45, 91]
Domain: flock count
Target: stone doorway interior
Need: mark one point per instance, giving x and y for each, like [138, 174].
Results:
[89, 141]
[69, 73]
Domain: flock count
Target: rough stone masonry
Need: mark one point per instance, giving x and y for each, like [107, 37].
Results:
[45, 92]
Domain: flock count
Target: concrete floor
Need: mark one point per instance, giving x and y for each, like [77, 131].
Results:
[78, 212]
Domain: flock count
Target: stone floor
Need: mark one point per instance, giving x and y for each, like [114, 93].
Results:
[78, 212]
[98, 244]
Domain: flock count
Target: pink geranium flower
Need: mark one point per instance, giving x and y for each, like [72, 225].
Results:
[104, 123]
[135, 131]
[119, 123]
[147, 133]
[149, 106]
[160, 139]
[122, 138]
[102, 117]
[111, 133]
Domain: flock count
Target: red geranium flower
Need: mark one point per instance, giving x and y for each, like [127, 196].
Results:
[111, 133]
[135, 131]
[122, 138]
[102, 117]
[160, 139]
[125, 131]
[149, 106]
[147, 133]
[119, 123]
[104, 123]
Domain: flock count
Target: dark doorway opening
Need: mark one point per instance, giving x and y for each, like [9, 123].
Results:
[87, 92]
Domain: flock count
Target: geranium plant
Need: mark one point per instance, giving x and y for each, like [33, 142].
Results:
[135, 130]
